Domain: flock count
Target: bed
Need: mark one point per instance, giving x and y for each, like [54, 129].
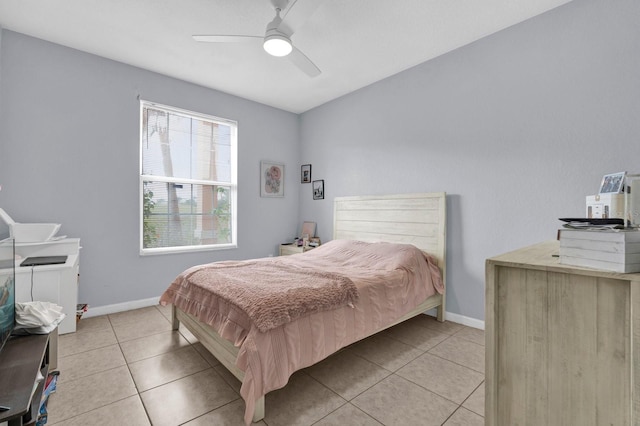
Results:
[264, 359]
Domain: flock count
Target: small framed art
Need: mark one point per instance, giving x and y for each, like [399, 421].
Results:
[308, 229]
[318, 189]
[612, 183]
[271, 179]
[305, 173]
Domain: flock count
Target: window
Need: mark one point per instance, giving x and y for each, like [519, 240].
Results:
[188, 180]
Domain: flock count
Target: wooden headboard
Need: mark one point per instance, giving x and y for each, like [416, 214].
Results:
[418, 219]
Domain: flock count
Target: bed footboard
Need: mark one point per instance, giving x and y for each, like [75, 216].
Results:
[222, 349]
[226, 352]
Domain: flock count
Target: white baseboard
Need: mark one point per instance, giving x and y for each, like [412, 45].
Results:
[120, 307]
[459, 319]
[144, 303]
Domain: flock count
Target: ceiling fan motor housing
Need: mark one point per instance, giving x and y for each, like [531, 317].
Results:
[276, 42]
[280, 4]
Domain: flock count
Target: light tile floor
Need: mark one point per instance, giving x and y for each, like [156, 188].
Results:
[130, 368]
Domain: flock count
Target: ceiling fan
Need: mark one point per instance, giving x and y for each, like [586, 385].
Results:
[277, 38]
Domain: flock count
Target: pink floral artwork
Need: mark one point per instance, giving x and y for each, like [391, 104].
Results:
[272, 180]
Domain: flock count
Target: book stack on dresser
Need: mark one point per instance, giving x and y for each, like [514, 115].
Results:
[610, 250]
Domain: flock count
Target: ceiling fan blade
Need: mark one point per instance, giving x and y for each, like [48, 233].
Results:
[296, 14]
[226, 38]
[300, 60]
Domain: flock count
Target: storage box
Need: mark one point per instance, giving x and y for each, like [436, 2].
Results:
[33, 232]
[617, 251]
[29, 232]
[604, 206]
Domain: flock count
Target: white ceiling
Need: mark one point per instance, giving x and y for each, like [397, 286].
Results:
[354, 42]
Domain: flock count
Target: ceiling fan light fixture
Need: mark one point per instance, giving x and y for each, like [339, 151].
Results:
[277, 45]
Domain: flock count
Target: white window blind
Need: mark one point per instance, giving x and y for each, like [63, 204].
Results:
[188, 187]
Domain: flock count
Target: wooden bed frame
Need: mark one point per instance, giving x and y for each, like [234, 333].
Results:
[418, 219]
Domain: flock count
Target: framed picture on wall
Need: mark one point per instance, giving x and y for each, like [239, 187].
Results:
[612, 183]
[305, 173]
[318, 189]
[271, 179]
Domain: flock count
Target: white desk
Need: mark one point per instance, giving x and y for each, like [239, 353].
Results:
[51, 283]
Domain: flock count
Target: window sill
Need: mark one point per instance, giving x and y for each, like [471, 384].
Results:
[185, 249]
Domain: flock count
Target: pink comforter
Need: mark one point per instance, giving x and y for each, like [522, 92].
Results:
[391, 280]
[270, 294]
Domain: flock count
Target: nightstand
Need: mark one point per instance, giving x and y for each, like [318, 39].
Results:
[287, 249]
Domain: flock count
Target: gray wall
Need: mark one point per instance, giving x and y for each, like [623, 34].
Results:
[69, 148]
[517, 128]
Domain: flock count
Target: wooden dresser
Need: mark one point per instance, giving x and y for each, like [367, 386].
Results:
[562, 342]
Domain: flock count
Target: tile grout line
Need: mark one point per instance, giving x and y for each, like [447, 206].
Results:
[144, 407]
[100, 372]
[346, 402]
[456, 363]
[467, 398]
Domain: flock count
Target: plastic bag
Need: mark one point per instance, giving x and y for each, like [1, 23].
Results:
[37, 317]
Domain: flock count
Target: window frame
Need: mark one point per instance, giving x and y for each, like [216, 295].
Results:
[233, 184]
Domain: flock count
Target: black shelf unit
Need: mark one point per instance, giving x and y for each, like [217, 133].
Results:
[20, 361]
